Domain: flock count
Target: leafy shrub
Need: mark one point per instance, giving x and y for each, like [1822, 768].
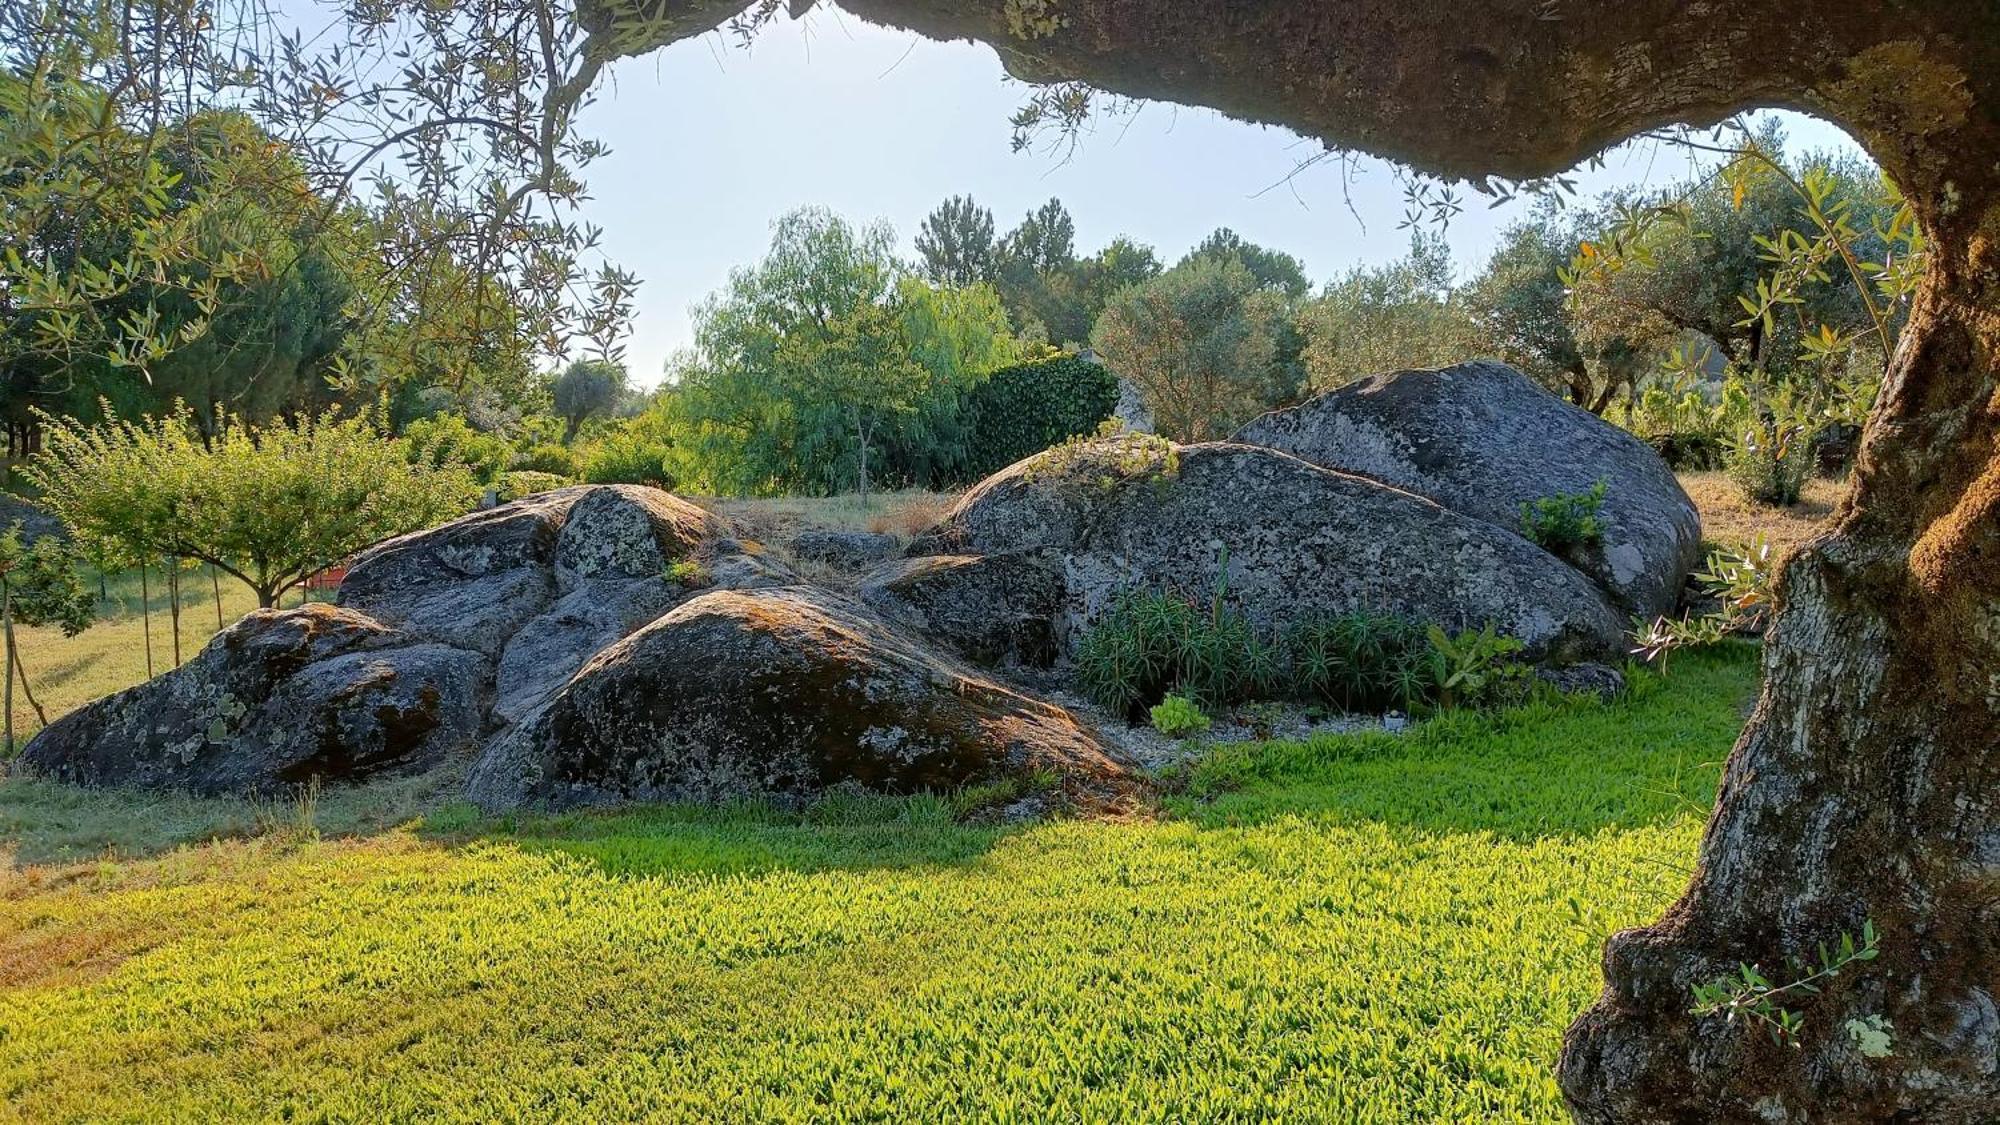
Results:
[513, 486]
[1019, 411]
[628, 459]
[1744, 581]
[1477, 669]
[448, 439]
[1769, 459]
[1177, 716]
[1565, 520]
[1150, 644]
[548, 458]
[1359, 661]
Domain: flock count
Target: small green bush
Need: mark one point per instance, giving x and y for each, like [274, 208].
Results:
[628, 459]
[1177, 716]
[1019, 411]
[1151, 646]
[1477, 669]
[548, 458]
[1770, 459]
[690, 574]
[1565, 520]
[513, 486]
[1360, 662]
[443, 440]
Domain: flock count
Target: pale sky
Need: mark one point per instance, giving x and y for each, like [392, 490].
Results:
[712, 142]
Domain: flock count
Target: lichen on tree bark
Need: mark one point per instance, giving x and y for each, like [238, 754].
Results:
[1867, 784]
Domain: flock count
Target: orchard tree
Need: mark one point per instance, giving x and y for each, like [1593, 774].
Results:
[269, 505]
[956, 244]
[1581, 346]
[1866, 787]
[1693, 273]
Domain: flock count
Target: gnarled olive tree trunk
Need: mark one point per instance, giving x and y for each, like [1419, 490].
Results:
[1865, 788]
[1867, 785]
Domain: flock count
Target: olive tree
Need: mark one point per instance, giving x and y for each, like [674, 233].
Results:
[1201, 343]
[1866, 787]
[587, 388]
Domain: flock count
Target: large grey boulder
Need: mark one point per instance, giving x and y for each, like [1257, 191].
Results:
[1482, 439]
[478, 581]
[780, 693]
[471, 583]
[625, 531]
[34, 522]
[281, 698]
[1137, 512]
[548, 649]
[846, 550]
[994, 609]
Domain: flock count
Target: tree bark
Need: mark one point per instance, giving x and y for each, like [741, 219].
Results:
[174, 604]
[20, 669]
[1867, 784]
[146, 617]
[7, 705]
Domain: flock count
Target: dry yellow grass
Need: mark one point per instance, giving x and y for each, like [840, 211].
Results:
[1728, 519]
[903, 514]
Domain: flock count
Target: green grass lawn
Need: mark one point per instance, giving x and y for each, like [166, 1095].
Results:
[1363, 928]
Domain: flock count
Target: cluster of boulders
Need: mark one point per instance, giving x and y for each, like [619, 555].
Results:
[613, 643]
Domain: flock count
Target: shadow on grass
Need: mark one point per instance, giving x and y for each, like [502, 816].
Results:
[1545, 770]
[840, 832]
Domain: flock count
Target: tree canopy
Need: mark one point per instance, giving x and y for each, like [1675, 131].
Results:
[269, 504]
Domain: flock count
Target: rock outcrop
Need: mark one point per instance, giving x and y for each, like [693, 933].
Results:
[1482, 439]
[1137, 512]
[614, 643]
[847, 550]
[782, 693]
[995, 609]
[34, 522]
[275, 700]
[588, 644]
